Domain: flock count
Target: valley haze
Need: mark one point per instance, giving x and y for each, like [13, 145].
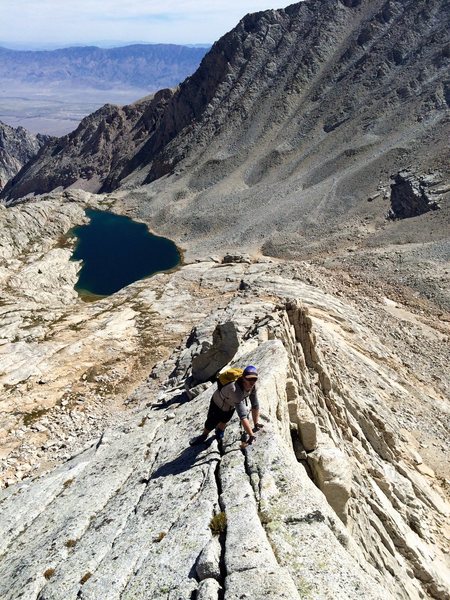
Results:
[49, 92]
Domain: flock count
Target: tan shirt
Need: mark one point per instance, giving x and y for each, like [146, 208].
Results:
[233, 395]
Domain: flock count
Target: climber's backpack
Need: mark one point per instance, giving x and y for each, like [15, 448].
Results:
[228, 376]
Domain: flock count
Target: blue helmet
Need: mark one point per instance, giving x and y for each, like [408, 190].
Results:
[250, 372]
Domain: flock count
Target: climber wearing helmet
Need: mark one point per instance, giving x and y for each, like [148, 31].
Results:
[229, 398]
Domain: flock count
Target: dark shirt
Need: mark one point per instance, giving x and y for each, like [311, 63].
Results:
[233, 395]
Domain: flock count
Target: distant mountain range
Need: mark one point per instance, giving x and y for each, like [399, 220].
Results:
[151, 66]
[40, 46]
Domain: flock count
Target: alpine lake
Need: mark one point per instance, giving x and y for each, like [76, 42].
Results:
[116, 251]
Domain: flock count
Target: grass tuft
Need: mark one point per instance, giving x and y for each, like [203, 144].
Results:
[48, 574]
[161, 535]
[85, 578]
[218, 523]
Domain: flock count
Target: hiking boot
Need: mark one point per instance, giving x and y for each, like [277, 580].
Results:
[199, 439]
[219, 434]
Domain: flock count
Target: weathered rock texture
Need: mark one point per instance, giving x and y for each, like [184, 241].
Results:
[214, 357]
[17, 147]
[298, 115]
[356, 511]
[292, 123]
[411, 196]
[100, 149]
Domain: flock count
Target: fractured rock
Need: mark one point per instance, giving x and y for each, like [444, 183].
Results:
[224, 346]
[410, 196]
[333, 474]
[208, 590]
[208, 564]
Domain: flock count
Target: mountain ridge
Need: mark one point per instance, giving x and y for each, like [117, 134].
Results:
[17, 147]
[344, 490]
[303, 173]
[317, 94]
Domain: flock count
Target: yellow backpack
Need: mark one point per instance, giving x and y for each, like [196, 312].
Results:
[228, 376]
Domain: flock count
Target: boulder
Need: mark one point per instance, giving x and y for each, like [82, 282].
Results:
[195, 391]
[208, 590]
[411, 196]
[303, 418]
[236, 258]
[208, 564]
[225, 345]
[307, 428]
[333, 475]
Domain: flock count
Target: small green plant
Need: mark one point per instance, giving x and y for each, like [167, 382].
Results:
[218, 523]
[34, 416]
[264, 517]
[48, 574]
[304, 588]
[85, 578]
[180, 194]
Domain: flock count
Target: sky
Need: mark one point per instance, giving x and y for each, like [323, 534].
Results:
[63, 22]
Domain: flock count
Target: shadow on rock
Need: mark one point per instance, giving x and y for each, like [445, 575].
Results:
[178, 399]
[186, 460]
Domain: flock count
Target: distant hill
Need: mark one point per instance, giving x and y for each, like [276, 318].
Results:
[151, 66]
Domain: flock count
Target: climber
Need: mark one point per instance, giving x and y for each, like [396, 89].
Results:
[224, 402]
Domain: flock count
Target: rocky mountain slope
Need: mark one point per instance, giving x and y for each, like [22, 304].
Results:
[345, 492]
[151, 66]
[282, 145]
[304, 112]
[104, 142]
[17, 147]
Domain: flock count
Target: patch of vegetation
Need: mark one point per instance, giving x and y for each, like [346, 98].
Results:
[143, 422]
[85, 578]
[304, 588]
[264, 517]
[91, 374]
[180, 194]
[48, 574]
[34, 416]
[444, 483]
[161, 535]
[66, 241]
[68, 483]
[218, 523]
[71, 543]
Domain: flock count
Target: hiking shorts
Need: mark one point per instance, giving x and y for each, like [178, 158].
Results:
[216, 415]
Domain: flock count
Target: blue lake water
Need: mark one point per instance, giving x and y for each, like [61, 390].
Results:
[117, 251]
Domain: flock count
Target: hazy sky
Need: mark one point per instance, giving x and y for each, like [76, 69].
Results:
[172, 21]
